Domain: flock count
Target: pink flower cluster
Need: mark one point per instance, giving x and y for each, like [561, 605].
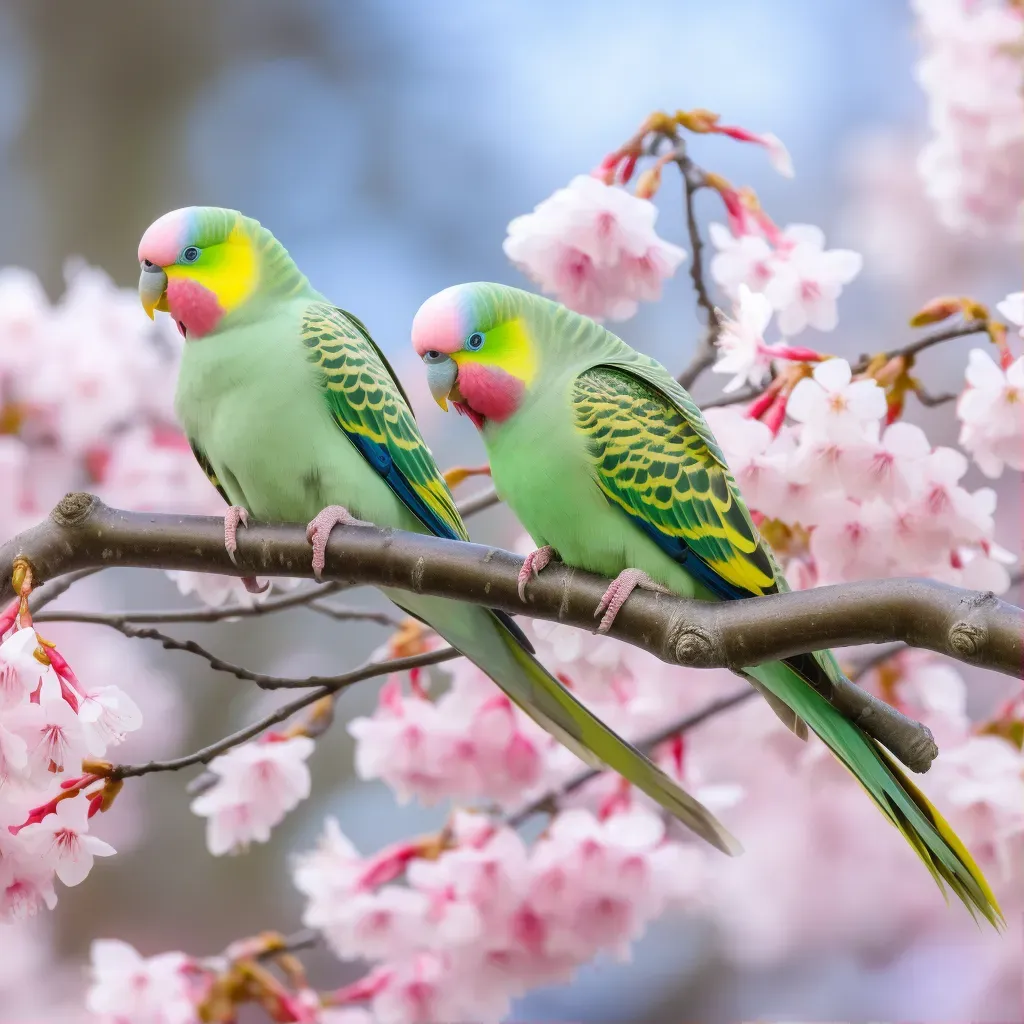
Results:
[49, 723]
[487, 917]
[859, 502]
[799, 278]
[256, 785]
[472, 744]
[110, 425]
[991, 408]
[971, 71]
[594, 248]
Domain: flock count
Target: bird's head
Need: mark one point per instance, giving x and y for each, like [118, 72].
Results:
[478, 349]
[199, 264]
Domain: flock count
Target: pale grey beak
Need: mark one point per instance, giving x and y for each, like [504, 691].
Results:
[442, 372]
[152, 287]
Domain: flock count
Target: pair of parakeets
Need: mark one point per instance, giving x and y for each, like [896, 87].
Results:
[296, 416]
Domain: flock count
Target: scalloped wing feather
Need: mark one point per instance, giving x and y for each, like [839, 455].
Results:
[368, 403]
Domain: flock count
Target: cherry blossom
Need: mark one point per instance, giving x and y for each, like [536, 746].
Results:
[1012, 307]
[746, 259]
[257, 785]
[62, 841]
[991, 412]
[127, 987]
[890, 469]
[970, 71]
[828, 403]
[806, 284]
[107, 715]
[741, 341]
[593, 246]
[20, 672]
[54, 736]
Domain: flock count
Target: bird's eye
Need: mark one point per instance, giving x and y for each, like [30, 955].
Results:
[475, 342]
[189, 254]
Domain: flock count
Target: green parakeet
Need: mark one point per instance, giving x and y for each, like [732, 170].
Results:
[296, 416]
[608, 462]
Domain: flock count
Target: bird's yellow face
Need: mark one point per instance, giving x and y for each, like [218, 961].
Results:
[483, 363]
[198, 264]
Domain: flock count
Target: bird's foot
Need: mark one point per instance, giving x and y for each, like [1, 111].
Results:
[535, 562]
[621, 587]
[234, 517]
[319, 530]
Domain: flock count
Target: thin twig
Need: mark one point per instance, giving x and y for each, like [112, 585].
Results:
[262, 680]
[962, 330]
[704, 356]
[207, 754]
[479, 502]
[647, 744]
[168, 618]
[45, 595]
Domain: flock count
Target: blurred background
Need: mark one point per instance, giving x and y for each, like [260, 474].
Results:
[387, 144]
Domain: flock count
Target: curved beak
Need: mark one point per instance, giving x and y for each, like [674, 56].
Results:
[152, 288]
[441, 376]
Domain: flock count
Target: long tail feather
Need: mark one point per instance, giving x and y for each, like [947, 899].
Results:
[487, 641]
[924, 828]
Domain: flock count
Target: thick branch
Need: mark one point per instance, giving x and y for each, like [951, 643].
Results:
[976, 628]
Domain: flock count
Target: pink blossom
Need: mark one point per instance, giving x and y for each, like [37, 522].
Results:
[26, 886]
[153, 469]
[258, 784]
[62, 842]
[971, 75]
[20, 671]
[107, 714]
[328, 874]
[747, 445]
[984, 779]
[593, 881]
[991, 412]
[1012, 307]
[890, 469]
[807, 283]
[429, 988]
[741, 343]
[829, 404]
[54, 737]
[127, 987]
[489, 872]
[851, 541]
[593, 247]
[744, 260]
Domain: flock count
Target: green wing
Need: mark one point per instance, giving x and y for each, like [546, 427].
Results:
[662, 466]
[369, 404]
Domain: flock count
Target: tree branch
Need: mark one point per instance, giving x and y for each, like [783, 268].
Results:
[979, 629]
[961, 330]
[704, 356]
[207, 754]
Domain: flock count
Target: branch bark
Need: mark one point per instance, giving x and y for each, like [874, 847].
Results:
[975, 628]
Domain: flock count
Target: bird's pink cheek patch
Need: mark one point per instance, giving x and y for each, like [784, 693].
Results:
[493, 393]
[193, 306]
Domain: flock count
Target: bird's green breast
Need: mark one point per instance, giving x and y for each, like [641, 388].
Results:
[542, 469]
[252, 401]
